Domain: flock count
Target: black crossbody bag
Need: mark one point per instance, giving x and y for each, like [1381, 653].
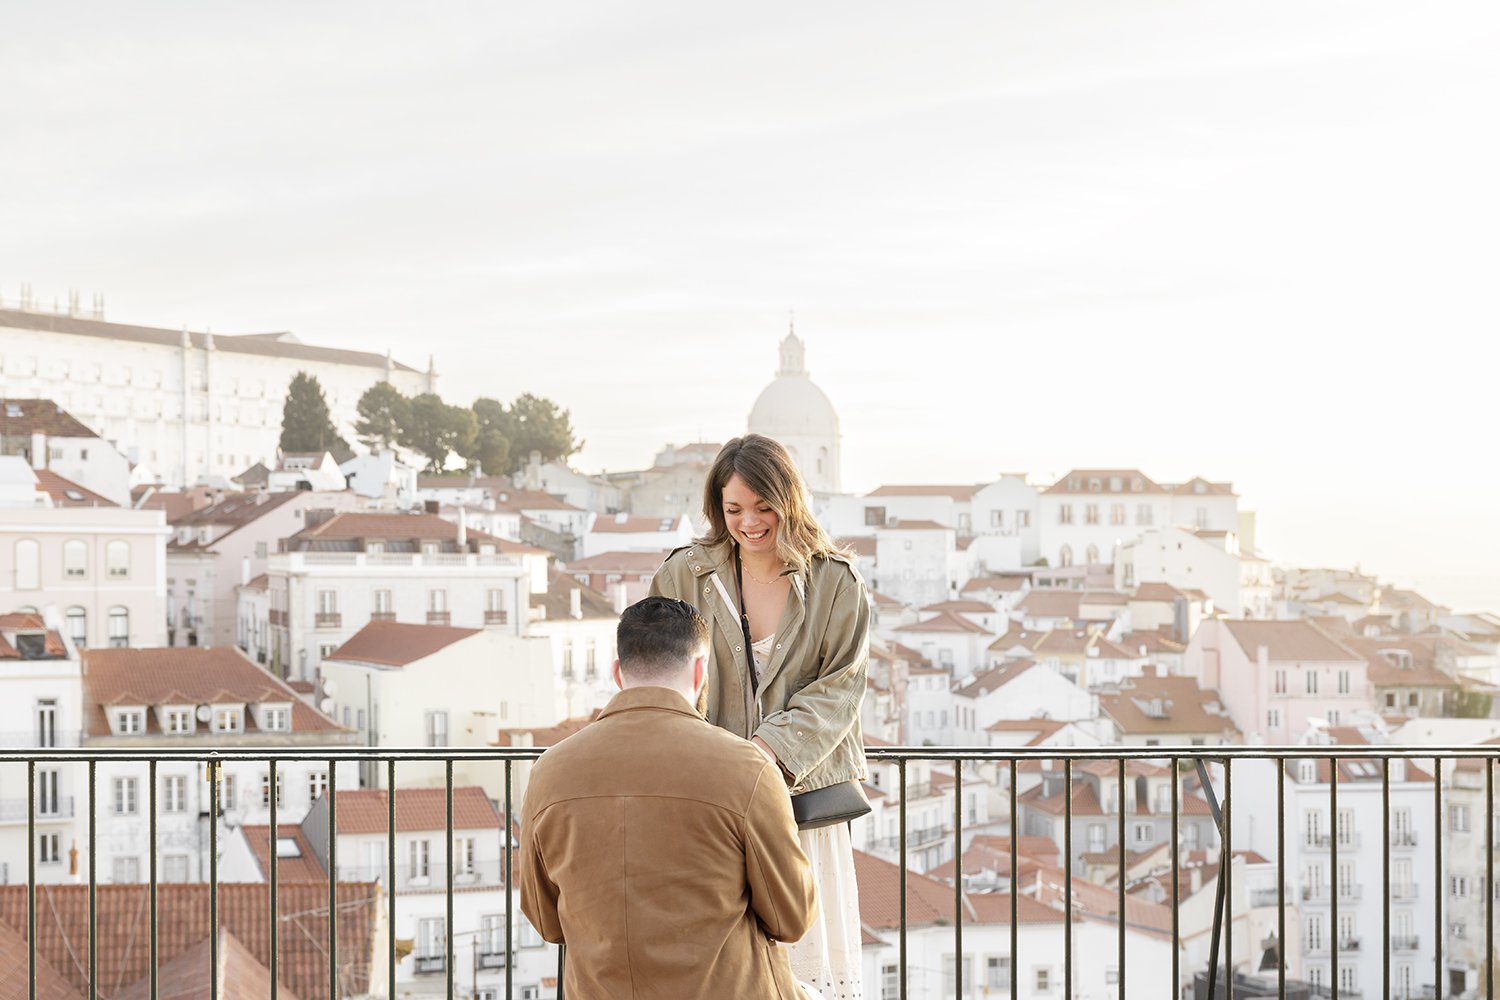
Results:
[826, 806]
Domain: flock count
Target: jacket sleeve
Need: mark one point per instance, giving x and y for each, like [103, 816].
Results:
[818, 717]
[782, 892]
[538, 893]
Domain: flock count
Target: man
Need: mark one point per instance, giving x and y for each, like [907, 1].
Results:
[659, 848]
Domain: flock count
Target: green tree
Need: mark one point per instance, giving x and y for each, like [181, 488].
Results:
[491, 451]
[383, 413]
[437, 430]
[305, 423]
[533, 423]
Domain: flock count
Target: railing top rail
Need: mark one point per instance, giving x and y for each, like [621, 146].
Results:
[995, 754]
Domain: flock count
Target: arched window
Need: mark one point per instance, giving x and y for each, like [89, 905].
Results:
[822, 461]
[28, 565]
[1065, 557]
[75, 559]
[78, 626]
[119, 627]
[1091, 554]
[117, 557]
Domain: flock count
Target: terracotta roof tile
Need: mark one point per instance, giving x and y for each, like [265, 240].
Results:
[24, 417]
[50, 983]
[1002, 584]
[1185, 707]
[557, 601]
[397, 644]
[946, 621]
[984, 682]
[625, 523]
[302, 868]
[1051, 603]
[66, 493]
[417, 809]
[915, 526]
[959, 493]
[124, 954]
[545, 736]
[619, 562]
[185, 675]
[1288, 641]
[1077, 481]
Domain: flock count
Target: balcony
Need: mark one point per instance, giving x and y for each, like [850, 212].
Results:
[1404, 838]
[382, 616]
[439, 618]
[55, 810]
[497, 617]
[467, 950]
[328, 619]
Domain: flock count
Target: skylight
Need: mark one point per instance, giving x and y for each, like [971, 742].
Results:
[286, 847]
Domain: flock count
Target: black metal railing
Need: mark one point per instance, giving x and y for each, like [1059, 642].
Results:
[1214, 769]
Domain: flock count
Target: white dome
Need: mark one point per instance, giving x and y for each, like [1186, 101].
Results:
[797, 413]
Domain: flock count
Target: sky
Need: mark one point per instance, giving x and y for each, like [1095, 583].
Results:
[1250, 241]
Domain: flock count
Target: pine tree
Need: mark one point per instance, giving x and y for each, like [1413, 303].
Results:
[383, 416]
[305, 423]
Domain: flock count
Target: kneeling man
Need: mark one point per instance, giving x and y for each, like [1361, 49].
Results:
[659, 848]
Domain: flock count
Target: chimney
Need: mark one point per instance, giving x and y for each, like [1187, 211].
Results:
[1195, 878]
[38, 450]
[534, 471]
[575, 603]
[462, 539]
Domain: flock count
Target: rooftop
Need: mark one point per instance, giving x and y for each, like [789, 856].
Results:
[398, 644]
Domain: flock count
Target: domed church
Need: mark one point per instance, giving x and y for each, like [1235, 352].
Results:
[797, 413]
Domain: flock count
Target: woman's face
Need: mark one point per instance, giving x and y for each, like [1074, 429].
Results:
[751, 521]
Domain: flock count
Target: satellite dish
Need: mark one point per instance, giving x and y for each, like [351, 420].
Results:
[329, 687]
[327, 706]
[203, 713]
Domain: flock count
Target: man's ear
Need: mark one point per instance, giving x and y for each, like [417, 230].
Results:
[700, 672]
[619, 683]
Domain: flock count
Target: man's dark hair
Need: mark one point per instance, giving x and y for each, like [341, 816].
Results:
[658, 637]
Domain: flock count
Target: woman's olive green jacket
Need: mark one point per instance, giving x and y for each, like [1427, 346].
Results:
[807, 708]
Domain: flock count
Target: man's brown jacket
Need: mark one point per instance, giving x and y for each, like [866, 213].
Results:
[662, 851]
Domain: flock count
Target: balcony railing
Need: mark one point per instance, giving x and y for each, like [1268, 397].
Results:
[327, 619]
[353, 964]
[47, 810]
[439, 617]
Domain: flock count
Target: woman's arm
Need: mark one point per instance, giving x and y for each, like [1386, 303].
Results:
[818, 717]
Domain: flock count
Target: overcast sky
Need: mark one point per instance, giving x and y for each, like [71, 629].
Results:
[1253, 241]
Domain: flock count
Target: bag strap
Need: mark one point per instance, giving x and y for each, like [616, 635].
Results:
[739, 592]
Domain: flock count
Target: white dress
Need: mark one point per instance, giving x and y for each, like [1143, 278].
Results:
[828, 958]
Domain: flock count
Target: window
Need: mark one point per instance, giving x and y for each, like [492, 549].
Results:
[228, 720]
[382, 602]
[494, 607]
[317, 784]
[1412, 699]
[1143, 513]
[174, 868]
[890, 982]
[227, 792]
[1458, 886]
[432, 942]
[526, 935]
[437, 601]
[567, 659]
[75, 559]
[124, 800]
[1091, 513]
[1346, 979]
[265, 789]
[127, 870]
[77, 624]
[1143, 833]
[117, 559]
[1343, 682]
[1065, 556]
[1273, 718]
[419, 853]
[1096, 837]
[1312, 682]
[1390, 699]
[1023, 518]
[328, 602]
[49, 849]
[1042, 975]
[463, 856]
[437, 729]
[260, 550]
[130, 721]
[179, 721]
[1116, 513]
[277, 720]
[590, 668]
[46, 722]
[1280, 679]
[874, 517]
[997, 519]
[1313, 933]
[492, 934]
[1345, 827]
[119, 627]
[951, 971]
[997, 972]
[28, 565]
[1065, 513]
[374, 547]
[174, 793]
[1458, 818]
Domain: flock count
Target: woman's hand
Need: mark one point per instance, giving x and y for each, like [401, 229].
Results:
[765, 748]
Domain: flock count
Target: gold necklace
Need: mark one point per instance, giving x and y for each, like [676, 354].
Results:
[763, 583]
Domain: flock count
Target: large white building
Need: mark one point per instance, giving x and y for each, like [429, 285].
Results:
[1088, 513]
[794, 411]
[189, 405]
[68, 552]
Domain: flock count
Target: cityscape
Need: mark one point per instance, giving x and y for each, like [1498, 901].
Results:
[176, 580]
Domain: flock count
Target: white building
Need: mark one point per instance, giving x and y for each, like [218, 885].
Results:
[190, 405]
[405, 685]
[48, 437]
[1198, 559]
[343, 571]
[1018, 690]
[198, 697]
[949, 639]
[307, 471]
[382, 477]
[41, 706]
[794, 411]
[630, 533]
[216, 549]
[579, 623]
[97, 566]
[917, 562]
[1086, 515]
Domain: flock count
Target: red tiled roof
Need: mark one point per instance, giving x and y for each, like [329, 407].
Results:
[623, 523]
[185, 675]
[960, 493]
[303, 868]
[1076, 482]
[985, 681]
[50, 983]
[557, 600]
[1209, 489]
[66, 493]
[860, 545]
[397, 644]
[417, 809]
[357, 525]
[1162, 592]
[1186, 708]
[545, 736]
[24, 417]
[962, 607]
[1000, 584]
[619, 562]
[945, 621]
[915, 526]
[1288, 640]
[124, 953]
[1051, 603]
[239, 976]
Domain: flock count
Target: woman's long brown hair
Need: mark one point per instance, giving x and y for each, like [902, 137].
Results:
[769, 471]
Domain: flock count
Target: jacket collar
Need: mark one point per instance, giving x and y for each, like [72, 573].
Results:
[664, 699]
[704, 559]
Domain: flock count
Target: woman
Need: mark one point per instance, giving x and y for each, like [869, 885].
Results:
[809, 622]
